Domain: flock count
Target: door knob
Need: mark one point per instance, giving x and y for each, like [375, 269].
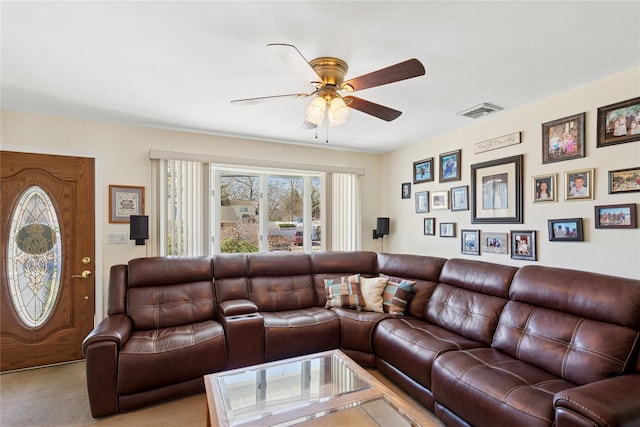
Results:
[85, 274]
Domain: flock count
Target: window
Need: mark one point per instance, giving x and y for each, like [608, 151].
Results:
[208, 208]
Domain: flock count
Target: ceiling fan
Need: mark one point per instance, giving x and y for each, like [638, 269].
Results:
[327, 75]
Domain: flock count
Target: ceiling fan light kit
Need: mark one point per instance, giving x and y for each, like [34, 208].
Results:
[327, 76]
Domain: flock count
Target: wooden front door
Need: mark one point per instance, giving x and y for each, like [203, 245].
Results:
[46, 258]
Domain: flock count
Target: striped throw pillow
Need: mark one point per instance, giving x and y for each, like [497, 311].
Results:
[346, 294]
[396, 296]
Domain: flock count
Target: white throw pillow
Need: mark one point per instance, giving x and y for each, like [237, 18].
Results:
[372, 289]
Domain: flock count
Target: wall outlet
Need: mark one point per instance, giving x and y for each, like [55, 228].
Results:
[118, 238]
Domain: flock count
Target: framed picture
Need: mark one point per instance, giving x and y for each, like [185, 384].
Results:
[447, 229]
[563, 139]
[406, 190]
[470, 242]
[422, 201]
[579, 184]
[544, 188]
[496, 191]
[430, 226]
[565, 230]
[460, 198]
[523, 245]
[423, 171]
[450, 164]
[124, 201]
[439, 200]
[616, 216]
[495, 243]
[619, 123]
[624, 180]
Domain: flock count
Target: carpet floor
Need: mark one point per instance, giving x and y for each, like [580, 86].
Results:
[57, 396]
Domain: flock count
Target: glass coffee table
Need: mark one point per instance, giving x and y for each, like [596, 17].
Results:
[325, 388]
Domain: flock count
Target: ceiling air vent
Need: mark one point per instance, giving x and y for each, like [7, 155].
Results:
[481, 110]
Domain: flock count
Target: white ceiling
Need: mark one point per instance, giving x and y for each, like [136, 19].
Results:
[177, 65]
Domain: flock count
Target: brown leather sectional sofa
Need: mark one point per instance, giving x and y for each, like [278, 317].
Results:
[481, 344]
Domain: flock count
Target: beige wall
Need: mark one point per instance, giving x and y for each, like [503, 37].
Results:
[122, 157]
[613, 251]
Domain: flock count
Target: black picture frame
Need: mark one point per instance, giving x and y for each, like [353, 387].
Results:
[422, 201]
[450, 165]
[523, 245]
[616, 216]
[494, 184]
[607, 133]
[460, 198]
[565, 230]
[447, 229]
[423, 171]
[429, 226]
[563, 139]
[405, 191]
[470, 242]
[624, 180]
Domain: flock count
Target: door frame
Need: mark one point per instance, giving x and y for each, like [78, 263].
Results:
[99, 309]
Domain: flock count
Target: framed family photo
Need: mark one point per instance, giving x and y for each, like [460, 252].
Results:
[579, 184]
[423, 171]
[619, 123]
[447, 229]
[406, 190]
[624, 180]
[563, 139]
[544, 188]
[450, 164]
[496, 191]
[460, 198]
[470, 242]
[439, 200]
[495, 243]
[565, 230]
[124, 201]
[523, 245]
[422, 201]
[616, 216]
[430, 226]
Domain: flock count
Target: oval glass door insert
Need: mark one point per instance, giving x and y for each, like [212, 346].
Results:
[34, 257]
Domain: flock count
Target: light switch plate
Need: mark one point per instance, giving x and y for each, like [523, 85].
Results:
[118, 238]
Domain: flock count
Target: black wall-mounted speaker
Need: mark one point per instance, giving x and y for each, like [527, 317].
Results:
[139, 228]
[383, 226]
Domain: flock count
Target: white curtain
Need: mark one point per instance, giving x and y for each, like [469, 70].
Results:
[345, 212]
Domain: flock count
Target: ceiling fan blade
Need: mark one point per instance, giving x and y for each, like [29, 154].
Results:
[307, 125]
[404, 70]
[371, 108]
[294, 59]
[259, 100]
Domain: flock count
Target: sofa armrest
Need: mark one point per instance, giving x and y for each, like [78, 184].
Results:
[237, 307]
[610, 402]
[115, 328]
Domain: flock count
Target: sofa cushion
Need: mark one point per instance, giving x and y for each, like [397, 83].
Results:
[471, 314]
[154, 307]
[411, 345]
[487, 388]
[162, 357]
[296, 332]
[396, 296]
[577, 325]
[571, 347]
[344, 294]
[372, 289]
